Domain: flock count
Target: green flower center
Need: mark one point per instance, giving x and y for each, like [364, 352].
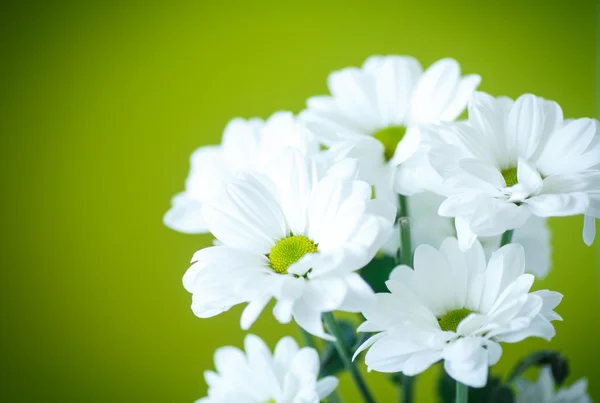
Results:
[510, 176]
[288, 251]
[390, 137]
[449, 322]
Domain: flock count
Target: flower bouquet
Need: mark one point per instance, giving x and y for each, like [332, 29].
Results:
[378, 200]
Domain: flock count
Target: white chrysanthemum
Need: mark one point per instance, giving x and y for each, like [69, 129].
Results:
[375, 111]
[544, 390]
[289, 375]
[246, 144]
[512, 160]
[453, 307]
[429, 228]
[297, 236]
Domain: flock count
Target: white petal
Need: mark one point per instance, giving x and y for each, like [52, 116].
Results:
[434, 91]
[466, 237]
[567, 144]
[408, 146]
[395, 78]
[252, 311]
[354, 91]
[326, 386]
[310, 320]
[185, 215]
[292, 177]
[419, 362]
[559, 205]
[528, 177]
[589, 229]
[461, 98]
[525, 126]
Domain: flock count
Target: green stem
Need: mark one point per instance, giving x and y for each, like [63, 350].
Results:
[407, 388]
[507, 237]
[462, 393]
[405, 256]
[342, 350]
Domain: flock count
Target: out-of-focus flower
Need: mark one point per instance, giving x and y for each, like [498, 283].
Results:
[247, 144]
[297, 235]
[289, 375]
[512, 160]
[544, 390]
[454, 307]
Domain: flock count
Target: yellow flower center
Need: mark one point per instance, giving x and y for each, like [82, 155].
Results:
[510, 176]
[450, 321]
[390, 137]
[288, 251]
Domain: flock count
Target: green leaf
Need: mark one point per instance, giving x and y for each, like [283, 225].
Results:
[557, 362]
[377, 272]
[492, 392]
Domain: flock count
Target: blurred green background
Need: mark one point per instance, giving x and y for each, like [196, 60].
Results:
[102, 104]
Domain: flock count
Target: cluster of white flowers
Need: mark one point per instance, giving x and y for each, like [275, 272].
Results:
[299, 205]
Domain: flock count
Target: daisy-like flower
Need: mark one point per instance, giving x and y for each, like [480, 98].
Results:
[544, 390]
[513, 160]
[375, 111]
[246, 144]
[454, 307]
[427, 227]
[297, 235]
[288, 375]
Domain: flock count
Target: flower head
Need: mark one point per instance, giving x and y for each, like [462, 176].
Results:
[544, 390]
[374, 113]
[247, 144]
[454, 307]
[513, 160]
[297, 235]
[288, 375]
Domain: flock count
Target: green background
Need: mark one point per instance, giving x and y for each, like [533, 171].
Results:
[102, 104]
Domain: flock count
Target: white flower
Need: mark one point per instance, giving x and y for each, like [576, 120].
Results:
[453, 307]
[544, 390]
[512, 160]
[246, 144]
[289, 375]
[375, 111]
[427, 227]
[298, 236]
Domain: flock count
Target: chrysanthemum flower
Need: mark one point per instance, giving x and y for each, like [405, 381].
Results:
[513, 160]
[454, 307]
[297, 235]
[246, 144]
[544, 390]
[289, 375]
[427, 227]
[375, 111]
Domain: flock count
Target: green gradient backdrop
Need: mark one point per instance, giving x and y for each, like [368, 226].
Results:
[102, 105]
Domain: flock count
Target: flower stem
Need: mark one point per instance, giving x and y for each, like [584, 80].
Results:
[342, 350]
[407, 388]
[462, 393]
[507, 237]
[405, 256]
